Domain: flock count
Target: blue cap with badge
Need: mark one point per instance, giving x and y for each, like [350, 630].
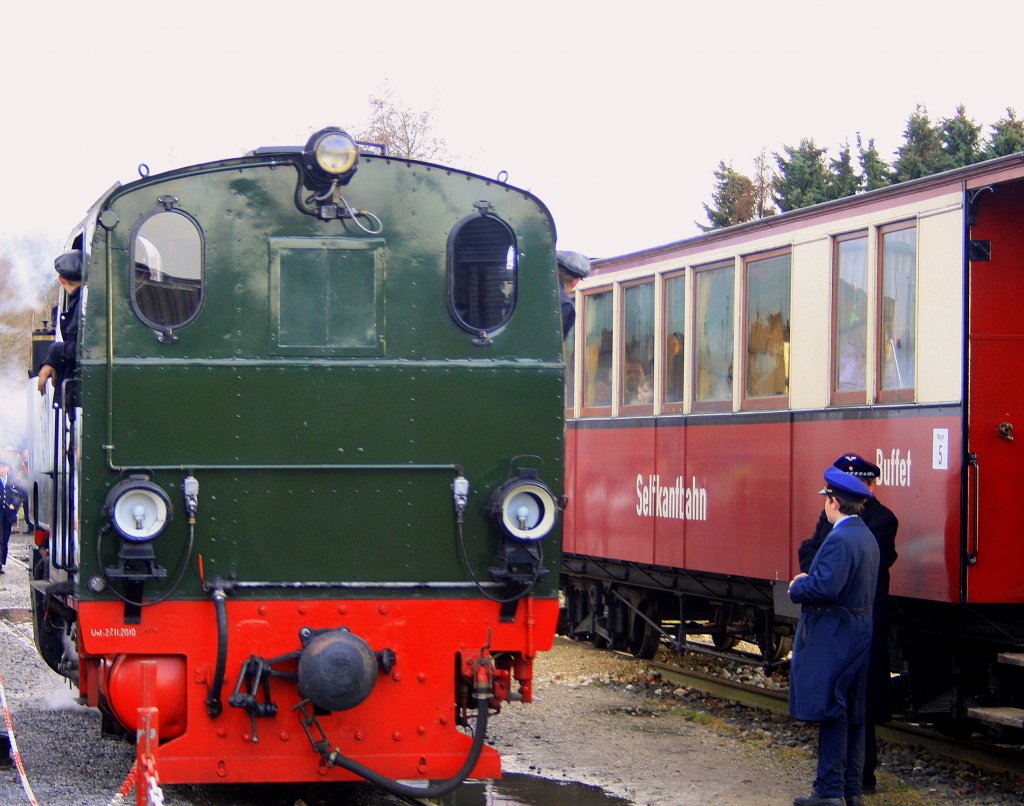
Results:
[839, 482]
[857, 466]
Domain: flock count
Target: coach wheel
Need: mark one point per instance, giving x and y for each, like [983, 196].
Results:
[644, 639]
[722, 640]
[776, 648]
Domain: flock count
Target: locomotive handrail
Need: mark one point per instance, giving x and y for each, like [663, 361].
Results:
[304, 467]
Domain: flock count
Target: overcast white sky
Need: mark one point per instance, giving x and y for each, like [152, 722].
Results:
[614, 113]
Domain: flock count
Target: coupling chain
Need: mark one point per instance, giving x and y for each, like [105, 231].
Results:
[153, 791]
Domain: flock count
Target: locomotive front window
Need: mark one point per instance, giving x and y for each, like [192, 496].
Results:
[483, 272]
[167, 270]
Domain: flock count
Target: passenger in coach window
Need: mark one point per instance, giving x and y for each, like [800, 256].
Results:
[828, 672]
[572, 267]
[883, 525]
[60, 361]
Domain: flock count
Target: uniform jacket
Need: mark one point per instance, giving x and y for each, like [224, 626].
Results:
[828, 672]
[62, 354]
[9, 502]
[883, 525]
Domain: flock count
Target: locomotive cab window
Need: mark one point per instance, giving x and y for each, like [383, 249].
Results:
[167, 270]
[482, 274]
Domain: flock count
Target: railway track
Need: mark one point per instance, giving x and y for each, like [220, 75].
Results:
[986, 756]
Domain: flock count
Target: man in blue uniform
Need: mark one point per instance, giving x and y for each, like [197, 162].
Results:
[828, 674]
[9, 503]
[572, 267]
[883, 525]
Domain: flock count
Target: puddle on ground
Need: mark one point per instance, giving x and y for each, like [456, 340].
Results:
[526, 790]
[16, 615]
[512, 790]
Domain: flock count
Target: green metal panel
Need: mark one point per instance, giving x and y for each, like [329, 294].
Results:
[324, 398]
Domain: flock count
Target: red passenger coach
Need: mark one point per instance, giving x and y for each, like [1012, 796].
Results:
[716, 378]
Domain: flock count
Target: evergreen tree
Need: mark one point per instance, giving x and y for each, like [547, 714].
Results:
[843, 180]
[922, 153]
[803, 178]
[961, 139]
[732, 199]
[1007, 136]
[874, 171]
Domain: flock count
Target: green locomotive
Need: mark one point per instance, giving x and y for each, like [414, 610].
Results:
[310, 464]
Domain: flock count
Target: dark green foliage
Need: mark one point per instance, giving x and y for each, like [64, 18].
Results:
[733, 199]
[922, 152]
[1007, 136]
[961, 139]
[875, 172]
[803, 177]
[843, 180]
[806, 175]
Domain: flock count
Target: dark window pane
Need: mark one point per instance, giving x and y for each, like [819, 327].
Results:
[482, 273]
[167, 270]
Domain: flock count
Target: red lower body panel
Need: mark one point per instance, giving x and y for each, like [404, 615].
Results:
[406, 727]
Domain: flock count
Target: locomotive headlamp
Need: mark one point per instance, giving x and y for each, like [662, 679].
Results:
[138, 509]
[330, 154]
[524, 507]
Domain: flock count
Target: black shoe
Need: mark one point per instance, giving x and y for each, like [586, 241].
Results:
[814, 799]
[1, 569]
[854, 800]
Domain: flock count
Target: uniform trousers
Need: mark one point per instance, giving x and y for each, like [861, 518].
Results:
[840, 758]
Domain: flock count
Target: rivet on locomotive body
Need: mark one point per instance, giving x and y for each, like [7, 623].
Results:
[359, 735]
[382, 609]
[303, 609]
[421, 730]
[396, 676]
[222, 732]
[397, 736]
[421, 676]
[284, 736]
[221, 769]
[422, 766]
[343, 609]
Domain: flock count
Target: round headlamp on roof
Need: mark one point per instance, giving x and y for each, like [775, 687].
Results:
[331, 154]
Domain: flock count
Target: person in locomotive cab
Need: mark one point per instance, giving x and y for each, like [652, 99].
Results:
[60, 361]
[883, 525]
[10, 500]
[572, 267]
[828, 672]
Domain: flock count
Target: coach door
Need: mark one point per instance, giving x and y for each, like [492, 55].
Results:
[993, 555]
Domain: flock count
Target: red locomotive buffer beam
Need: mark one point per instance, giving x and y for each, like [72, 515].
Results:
[407, 726]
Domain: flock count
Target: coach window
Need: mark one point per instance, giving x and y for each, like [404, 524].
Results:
[597, 351]
[167, 270]
[482, 274]
[713, 350]
[897, 246]
[673, 331]
[849, 318]
[766, 330]
[636, 382]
